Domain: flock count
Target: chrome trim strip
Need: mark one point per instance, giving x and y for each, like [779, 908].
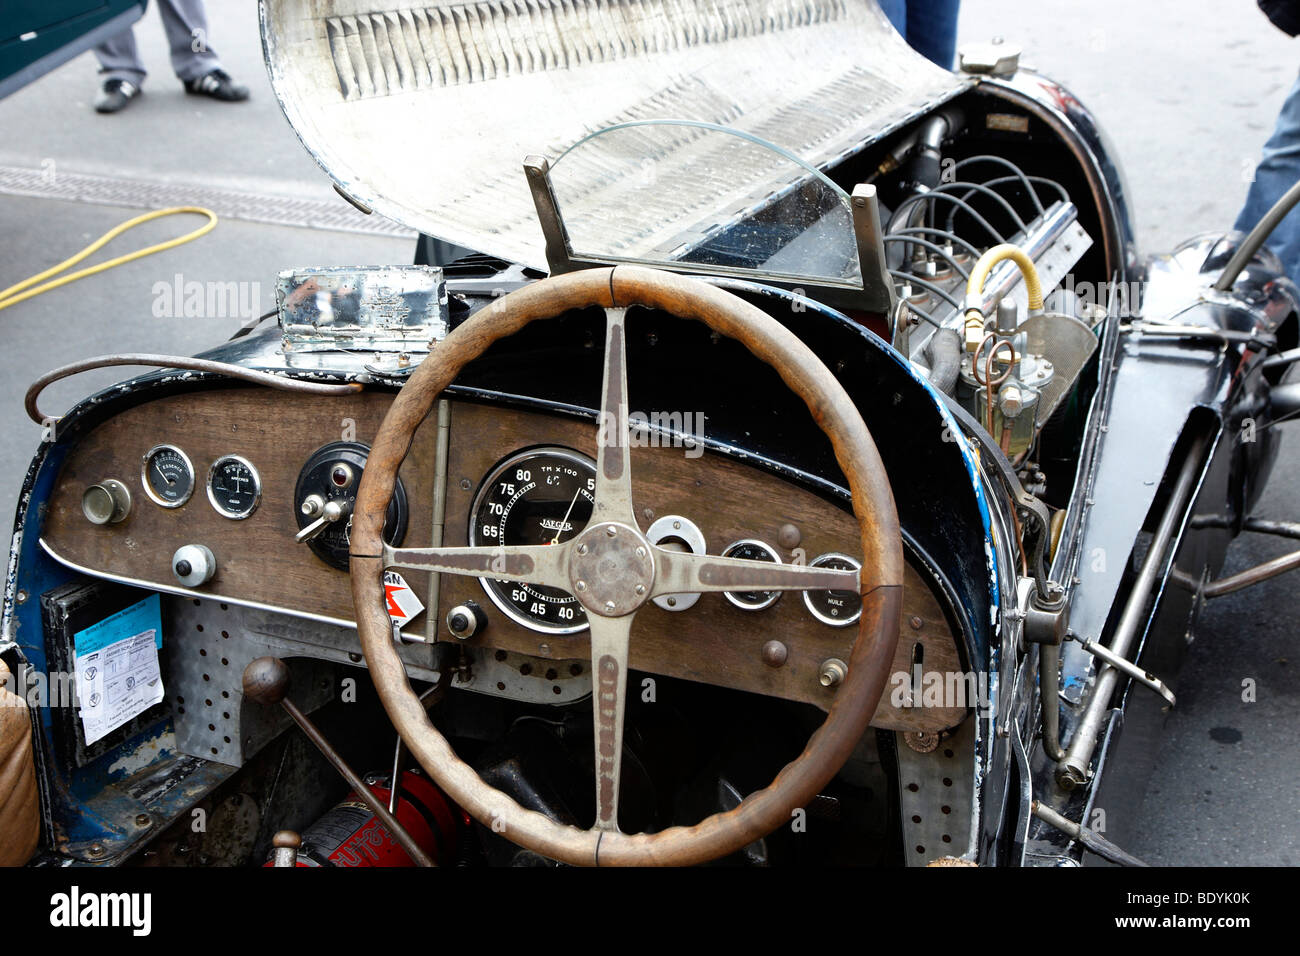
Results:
[188, 592]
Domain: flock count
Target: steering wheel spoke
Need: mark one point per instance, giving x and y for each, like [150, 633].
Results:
[681, 572]
[543, 564]
[609, 644]
[613, 493]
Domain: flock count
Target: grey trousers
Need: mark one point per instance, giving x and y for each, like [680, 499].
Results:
[186, 26]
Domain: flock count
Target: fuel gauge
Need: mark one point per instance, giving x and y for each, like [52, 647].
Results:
[167, 476]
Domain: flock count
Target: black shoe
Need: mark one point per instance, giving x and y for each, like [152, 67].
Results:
[114, 95]
[217, 85]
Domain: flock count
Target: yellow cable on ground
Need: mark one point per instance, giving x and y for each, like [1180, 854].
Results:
[12, 296]
[980, 273]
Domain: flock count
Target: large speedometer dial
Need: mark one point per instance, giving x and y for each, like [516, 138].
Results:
[540, 496]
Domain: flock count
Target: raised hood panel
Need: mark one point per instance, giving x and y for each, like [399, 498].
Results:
[424, 111]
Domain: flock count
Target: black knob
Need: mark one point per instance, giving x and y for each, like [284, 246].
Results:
[183, 568]
[466, 620]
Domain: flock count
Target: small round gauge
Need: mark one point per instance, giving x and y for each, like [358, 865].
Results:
[752, 550]
[234, 487]
[167, 476]
[540, 496]
[836, 608]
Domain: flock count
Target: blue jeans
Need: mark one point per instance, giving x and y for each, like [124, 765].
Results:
[1278, 171]
[928, 26]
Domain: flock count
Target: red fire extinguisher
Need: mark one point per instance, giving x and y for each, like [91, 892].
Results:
[350, 835]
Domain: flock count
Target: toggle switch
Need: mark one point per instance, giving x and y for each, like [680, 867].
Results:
[330, 512]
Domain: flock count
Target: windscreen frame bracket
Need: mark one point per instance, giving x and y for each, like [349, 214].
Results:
[876, 294]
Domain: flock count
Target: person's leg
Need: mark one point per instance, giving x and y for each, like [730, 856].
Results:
[932, 29]
[193, 58]
[1278, 171]
[119, 58]
[186, 25]
[121, 72]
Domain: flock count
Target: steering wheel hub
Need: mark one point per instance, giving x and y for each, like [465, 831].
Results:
[612, 569]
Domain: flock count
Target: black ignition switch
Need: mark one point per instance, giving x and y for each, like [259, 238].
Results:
[325, 495]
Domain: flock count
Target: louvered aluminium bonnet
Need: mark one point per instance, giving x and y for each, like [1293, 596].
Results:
[425, 111]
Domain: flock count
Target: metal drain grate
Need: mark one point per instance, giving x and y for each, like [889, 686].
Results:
[337, 216]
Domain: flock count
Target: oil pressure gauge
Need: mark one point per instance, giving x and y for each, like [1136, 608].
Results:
[167, 476]
[234, 487]
[836, 608]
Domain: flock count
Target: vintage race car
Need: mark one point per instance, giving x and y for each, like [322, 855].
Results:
[775, 429]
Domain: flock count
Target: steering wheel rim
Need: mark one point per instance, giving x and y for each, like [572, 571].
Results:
[609, 552]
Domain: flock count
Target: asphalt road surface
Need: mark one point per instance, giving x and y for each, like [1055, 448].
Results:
[1188, 91]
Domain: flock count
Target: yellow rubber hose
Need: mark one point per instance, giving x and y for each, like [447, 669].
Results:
[15, 293]
[980, 273]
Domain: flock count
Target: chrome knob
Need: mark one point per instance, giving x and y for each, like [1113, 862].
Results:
[193, 564]
[107, 502]
[330, 513]
[833, 672]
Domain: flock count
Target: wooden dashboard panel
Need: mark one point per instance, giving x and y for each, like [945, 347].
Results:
[257, 558]
[713, 642]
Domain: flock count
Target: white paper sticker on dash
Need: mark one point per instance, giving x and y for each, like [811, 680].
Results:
[118, 676]
[403, 605]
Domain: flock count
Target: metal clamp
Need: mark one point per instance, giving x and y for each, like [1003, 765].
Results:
[1046, 615]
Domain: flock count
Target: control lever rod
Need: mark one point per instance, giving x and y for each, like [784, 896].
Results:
[266, 680]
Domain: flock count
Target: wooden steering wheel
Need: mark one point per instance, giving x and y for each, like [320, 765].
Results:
[612, 569]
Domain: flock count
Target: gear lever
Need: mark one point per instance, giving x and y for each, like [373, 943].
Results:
[266, 680]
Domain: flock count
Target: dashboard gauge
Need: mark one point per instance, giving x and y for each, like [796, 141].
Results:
[234, 487]
[540, 496]
[167, 476]
[836, 608]
[752, 550]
